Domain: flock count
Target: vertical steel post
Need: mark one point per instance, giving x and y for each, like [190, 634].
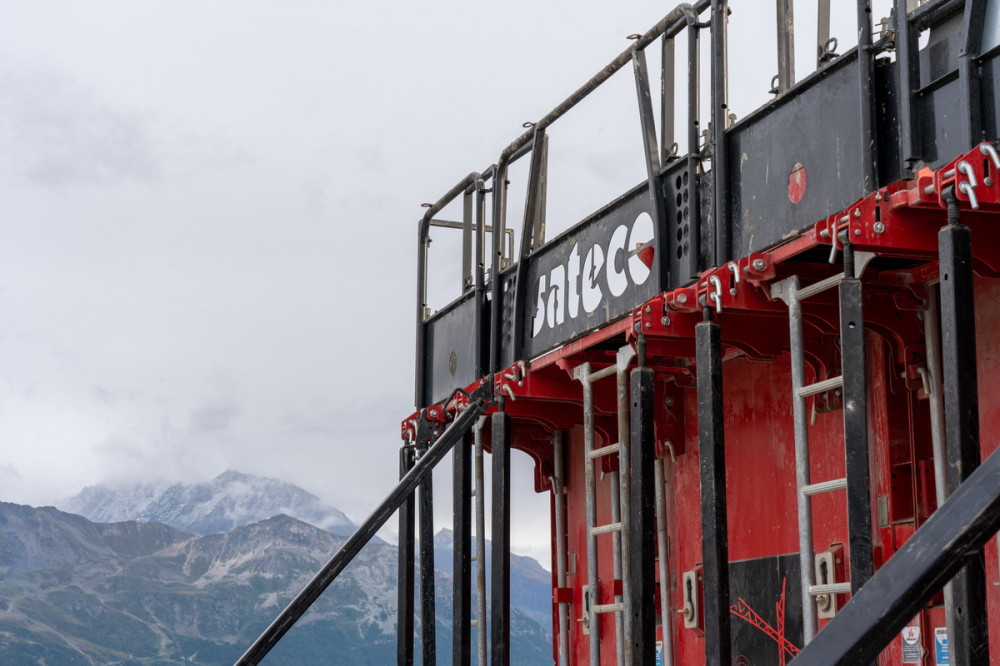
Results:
[720, 122]
[712, 463]
[853, 370]
[500, 583]
[968, 72]
[481, 620]
[823, 30]
[404, 589]
[786, 45]
[908, 73]
[968, 631]
[461, 562]
[640, 604]
[692, 268]
[866, 82]
[468, 201]
[531, 224]
[425, 499]
[558, 480]
[651, 153]
[667, 68]
[496, 306]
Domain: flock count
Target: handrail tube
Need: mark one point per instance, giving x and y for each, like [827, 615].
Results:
[671, 23]
[404, 489]
[952, 536]
[420, 400]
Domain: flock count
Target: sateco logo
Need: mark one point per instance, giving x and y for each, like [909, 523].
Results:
[605, 271]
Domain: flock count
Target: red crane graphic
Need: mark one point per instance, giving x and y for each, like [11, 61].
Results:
[742, 609]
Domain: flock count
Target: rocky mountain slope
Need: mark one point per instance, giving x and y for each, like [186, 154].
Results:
[77, 592]
[228, 501]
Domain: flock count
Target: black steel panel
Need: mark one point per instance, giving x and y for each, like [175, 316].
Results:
[761, 584]
[941, 136]
[678, 209]
[817, 125]
[450, 348]
[991, 84]
[590, 275]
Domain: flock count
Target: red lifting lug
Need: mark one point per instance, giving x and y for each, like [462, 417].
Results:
[684, 299]
[436, 415]
[758, 267]
[652, 318]
[408, 428]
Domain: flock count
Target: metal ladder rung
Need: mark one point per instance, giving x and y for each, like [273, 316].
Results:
[610, 608]
[830, 588]
[474, 623]
[602, 373]
[824, 487]
[473, 558]
[819, 287]
[603, 451]
[606, 529]
[821, 387]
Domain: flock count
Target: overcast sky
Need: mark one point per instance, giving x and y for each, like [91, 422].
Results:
[208, 221]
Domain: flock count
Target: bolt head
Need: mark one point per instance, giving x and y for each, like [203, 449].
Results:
[665, 321]
[759, 264]
[682, 298]
[648, 325]
[857, 232]
[648, 309]
[878, 227]
[857, 212]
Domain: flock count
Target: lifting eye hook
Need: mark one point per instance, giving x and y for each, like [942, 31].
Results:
[968, 191]
[717, 295]
[732, 265]
[966, 168]
[988, 150]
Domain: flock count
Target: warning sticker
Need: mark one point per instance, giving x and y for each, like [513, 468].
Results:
[659, 653]
[910, 640]
[941, 646]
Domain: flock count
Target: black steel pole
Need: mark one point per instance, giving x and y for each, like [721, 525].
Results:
[425, 506]
[968, 631]
[712, 463]
[404, 590]
[854, 372]
[720, 121]
[462, 564]
[500, 555]
[404, 489]
[866, 83]
[642, 527]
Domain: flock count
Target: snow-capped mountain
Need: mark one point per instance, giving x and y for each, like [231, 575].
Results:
[228, 501]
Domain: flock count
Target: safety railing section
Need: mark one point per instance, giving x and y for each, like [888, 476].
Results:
[858, 120]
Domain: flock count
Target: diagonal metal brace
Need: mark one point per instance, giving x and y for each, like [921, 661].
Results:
[301, 603]
[929, 559]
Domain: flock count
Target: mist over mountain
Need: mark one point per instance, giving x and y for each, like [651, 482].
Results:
[228, 501]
